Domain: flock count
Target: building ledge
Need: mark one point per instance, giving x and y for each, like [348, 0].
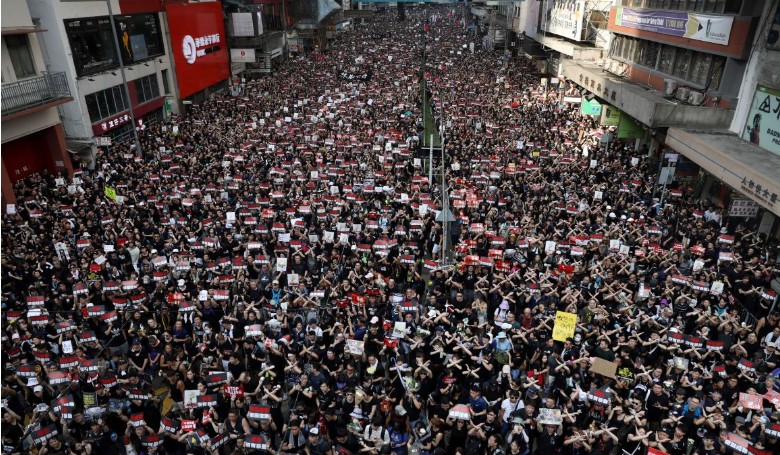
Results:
[744, 166]
[573, 50]
[21, 30]
[642, 103]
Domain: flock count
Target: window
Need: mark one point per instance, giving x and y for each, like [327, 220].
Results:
[146, 88]
[21, 56]
[666, 60]
[733, 7]
[105, 103]
[700, 68]
[166, 87]
[92, 41]
[682, 63]
[648, 53]
[92, 45]
[139, 37]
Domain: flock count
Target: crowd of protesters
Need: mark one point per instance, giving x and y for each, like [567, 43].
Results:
[270, 276]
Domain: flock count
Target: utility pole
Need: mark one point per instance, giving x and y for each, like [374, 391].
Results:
[138, 151]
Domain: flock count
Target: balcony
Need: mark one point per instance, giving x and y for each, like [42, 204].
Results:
[49, 89]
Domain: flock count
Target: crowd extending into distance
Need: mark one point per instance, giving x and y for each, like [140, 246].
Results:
[270, 277]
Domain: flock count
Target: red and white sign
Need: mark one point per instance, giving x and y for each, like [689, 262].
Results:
[199, 45]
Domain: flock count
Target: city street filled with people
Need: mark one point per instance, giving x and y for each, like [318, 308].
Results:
[271, 274]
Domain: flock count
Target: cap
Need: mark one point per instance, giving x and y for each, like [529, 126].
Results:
[15, 336]
[275, 282]
[504, 305]
[501, 335]
[180, 282]
[38, 388]
[374, 320]
[314, 431]
[475, 387]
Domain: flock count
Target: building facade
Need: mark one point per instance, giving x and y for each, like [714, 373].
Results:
[33, 137]
[79, 42]
[693, 82]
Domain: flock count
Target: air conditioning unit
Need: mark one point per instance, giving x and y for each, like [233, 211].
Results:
[682, 94]
[695, 98]
[669, 87]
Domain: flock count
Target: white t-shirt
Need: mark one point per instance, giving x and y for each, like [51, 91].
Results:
[510, 407]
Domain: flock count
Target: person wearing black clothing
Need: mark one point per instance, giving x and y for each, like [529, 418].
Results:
[656, 406]
[549, 441]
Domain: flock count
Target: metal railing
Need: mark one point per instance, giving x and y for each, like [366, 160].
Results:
[35, 91]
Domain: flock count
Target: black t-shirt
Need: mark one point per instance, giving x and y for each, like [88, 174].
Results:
[654, 413]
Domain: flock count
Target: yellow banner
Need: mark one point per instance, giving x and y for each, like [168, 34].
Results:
[110, 193]
[565, 324]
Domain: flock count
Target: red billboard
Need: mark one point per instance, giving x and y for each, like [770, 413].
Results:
[199, 45]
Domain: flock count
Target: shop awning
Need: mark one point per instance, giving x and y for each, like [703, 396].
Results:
[744, 166]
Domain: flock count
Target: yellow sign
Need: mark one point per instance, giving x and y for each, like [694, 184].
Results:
[110, 193]
[565, 323]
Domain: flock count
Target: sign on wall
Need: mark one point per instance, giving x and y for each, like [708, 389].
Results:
[743, 207]
[610, 115]
[243, 24]
[592, 107]
[763, 123]
[242, 55]
[695, 26]
[199, 45]
[565, 18]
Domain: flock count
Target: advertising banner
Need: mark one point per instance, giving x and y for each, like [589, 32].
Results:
[629, 128]
[199, 45]
[610, 116]
[592, 107]
[695, 26]
[565, 18]
[242, 55]
[763, 123]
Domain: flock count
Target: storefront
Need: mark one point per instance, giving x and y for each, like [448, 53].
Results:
[738, 175]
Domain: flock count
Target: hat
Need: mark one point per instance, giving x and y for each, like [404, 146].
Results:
[665, 302]
[314, 431]
[533, 390]
[181, 282]
[38, 388]
[374, 320]
[504, 305]
[136, 340]
[275, 282]
[15, 336]
[724, 230]
[666, 429]
[501, 335]
[475, 387]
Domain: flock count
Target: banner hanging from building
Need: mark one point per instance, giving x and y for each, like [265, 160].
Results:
[199, 45]
[565, 18]
[763, 123]
[592, 107]
[610, 115]
[695, 26]
[628, 128]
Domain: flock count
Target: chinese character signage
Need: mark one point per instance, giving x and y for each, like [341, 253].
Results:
[699, 27]
[199, 46]
[763, 123]
[565, 18]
